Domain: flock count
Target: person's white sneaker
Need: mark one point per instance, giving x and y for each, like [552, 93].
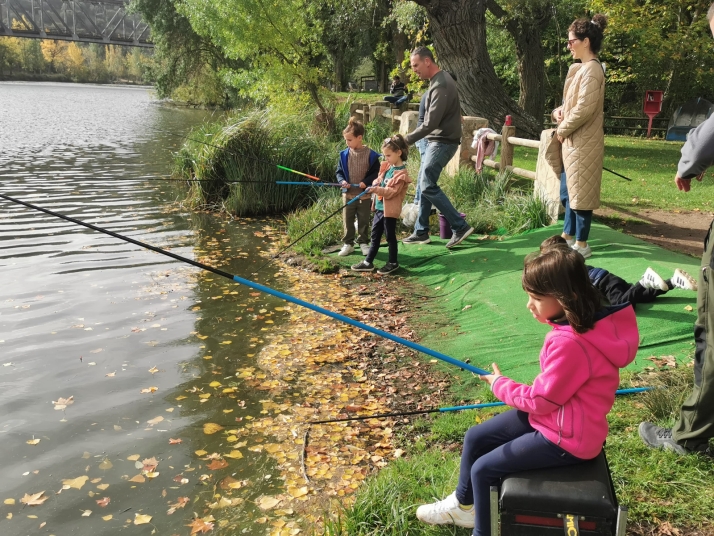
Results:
[683, 280]
[447, 512]
[585, 252]
[346, 250]
[364, 248]
[570, 242]
[651, 279]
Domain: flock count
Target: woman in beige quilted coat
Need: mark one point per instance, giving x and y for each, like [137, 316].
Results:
[580, 131]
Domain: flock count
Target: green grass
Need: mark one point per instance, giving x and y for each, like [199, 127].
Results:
[655, 485]
[651, 164]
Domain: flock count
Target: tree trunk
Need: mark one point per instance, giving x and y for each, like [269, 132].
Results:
[339, 61]
[458, 28]
[527, 32]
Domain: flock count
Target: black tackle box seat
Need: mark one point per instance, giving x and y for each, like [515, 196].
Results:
[584, 489]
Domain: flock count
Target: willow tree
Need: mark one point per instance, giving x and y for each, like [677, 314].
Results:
[279, 42]
[458, 28]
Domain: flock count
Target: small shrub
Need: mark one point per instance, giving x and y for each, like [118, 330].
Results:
[671, 389]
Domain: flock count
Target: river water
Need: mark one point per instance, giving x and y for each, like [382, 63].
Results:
[86, 316]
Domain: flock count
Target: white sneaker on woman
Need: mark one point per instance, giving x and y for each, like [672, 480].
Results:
[652, 279]
[447, 512]
[683, 280]
[584, 251]
[346, 250]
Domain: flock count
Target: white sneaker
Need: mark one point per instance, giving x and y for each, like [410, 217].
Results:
[585, 252]
[651, 279]
[364, 248]
[447, 512]
[683, 280]
[346, 250]
[570, 242]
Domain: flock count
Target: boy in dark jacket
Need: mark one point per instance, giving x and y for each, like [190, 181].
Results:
[358, 166]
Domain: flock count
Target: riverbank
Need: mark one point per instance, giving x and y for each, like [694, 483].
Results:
[470, 306]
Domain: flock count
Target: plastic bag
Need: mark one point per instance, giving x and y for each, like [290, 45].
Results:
[410, 213]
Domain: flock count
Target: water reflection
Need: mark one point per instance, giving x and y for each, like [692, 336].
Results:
[84, 315]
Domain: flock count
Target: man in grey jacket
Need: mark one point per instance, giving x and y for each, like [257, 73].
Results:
[691, 433]
[442, 130]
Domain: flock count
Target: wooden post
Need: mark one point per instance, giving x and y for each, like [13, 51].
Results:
[408, 122]
[353, 109]
[465, 152]
[506, 148]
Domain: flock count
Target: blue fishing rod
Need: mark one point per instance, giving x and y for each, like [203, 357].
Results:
[450, 409]
[259, 287]
[291, 299]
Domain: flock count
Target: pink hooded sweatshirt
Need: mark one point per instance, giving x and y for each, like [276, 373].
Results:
[570, 399]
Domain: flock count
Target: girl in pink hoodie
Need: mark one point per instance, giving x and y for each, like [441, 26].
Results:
[560, 419]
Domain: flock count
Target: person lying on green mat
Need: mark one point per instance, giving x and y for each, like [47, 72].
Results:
[618, 291]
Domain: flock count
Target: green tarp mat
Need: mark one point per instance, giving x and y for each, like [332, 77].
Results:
[480, 309]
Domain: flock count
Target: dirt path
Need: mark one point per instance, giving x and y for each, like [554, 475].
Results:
[682, 231]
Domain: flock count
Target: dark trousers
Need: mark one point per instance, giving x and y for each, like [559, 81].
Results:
[502, 445]
[618, 291]
[696, 421]
[383, 225]
[577, 222]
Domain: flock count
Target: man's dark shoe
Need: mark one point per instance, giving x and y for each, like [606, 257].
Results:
[459, 237]
[363, 266]
[417, 239]
[657, 437]
[388, 268]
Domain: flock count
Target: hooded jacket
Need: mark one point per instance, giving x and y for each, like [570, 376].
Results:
[394, 192]
[570, 399]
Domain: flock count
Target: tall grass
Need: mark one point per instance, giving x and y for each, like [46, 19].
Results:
[247, 147]
[328, 201]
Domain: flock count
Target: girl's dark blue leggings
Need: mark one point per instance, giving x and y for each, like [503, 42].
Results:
[504, 444]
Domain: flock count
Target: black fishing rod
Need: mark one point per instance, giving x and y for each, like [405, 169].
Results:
[616, 173]
[452, 408]
[276, 255]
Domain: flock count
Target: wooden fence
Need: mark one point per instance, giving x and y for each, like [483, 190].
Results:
[381, 109]
[508, 141]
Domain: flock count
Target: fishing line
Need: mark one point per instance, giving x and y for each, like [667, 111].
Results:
[453, 408]
[262, 288]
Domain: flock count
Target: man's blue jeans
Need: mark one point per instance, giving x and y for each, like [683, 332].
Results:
[421, 145]
[577, 222]
[436, 156]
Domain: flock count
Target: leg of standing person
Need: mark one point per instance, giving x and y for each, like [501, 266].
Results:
[569, 224]
[421, 145]
[348, 221]
[364, 214]
[390, 230]
[583, 220]
[377, 231]
[436, 157]
[696, 422]
[691, 433]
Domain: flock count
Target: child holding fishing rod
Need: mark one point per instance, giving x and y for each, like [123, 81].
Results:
[393, 181]
[561, 419]
[358, 166]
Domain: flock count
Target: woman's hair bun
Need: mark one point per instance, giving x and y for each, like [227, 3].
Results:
[600, 21]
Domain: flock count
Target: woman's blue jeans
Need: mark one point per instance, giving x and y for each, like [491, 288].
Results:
[577, 222]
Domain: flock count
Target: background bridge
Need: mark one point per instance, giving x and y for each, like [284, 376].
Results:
[95, 21]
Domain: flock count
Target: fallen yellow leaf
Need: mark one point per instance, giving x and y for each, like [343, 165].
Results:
[35, 499]
[75, 483]
[105, 465]
[9, 501]
[133, 457]
[32, 441]
[266, 503]
[200, 453]
[214, 384]
[235, 454]
[141, 519]
[107, 518]
[102, 486]
[211, 428]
